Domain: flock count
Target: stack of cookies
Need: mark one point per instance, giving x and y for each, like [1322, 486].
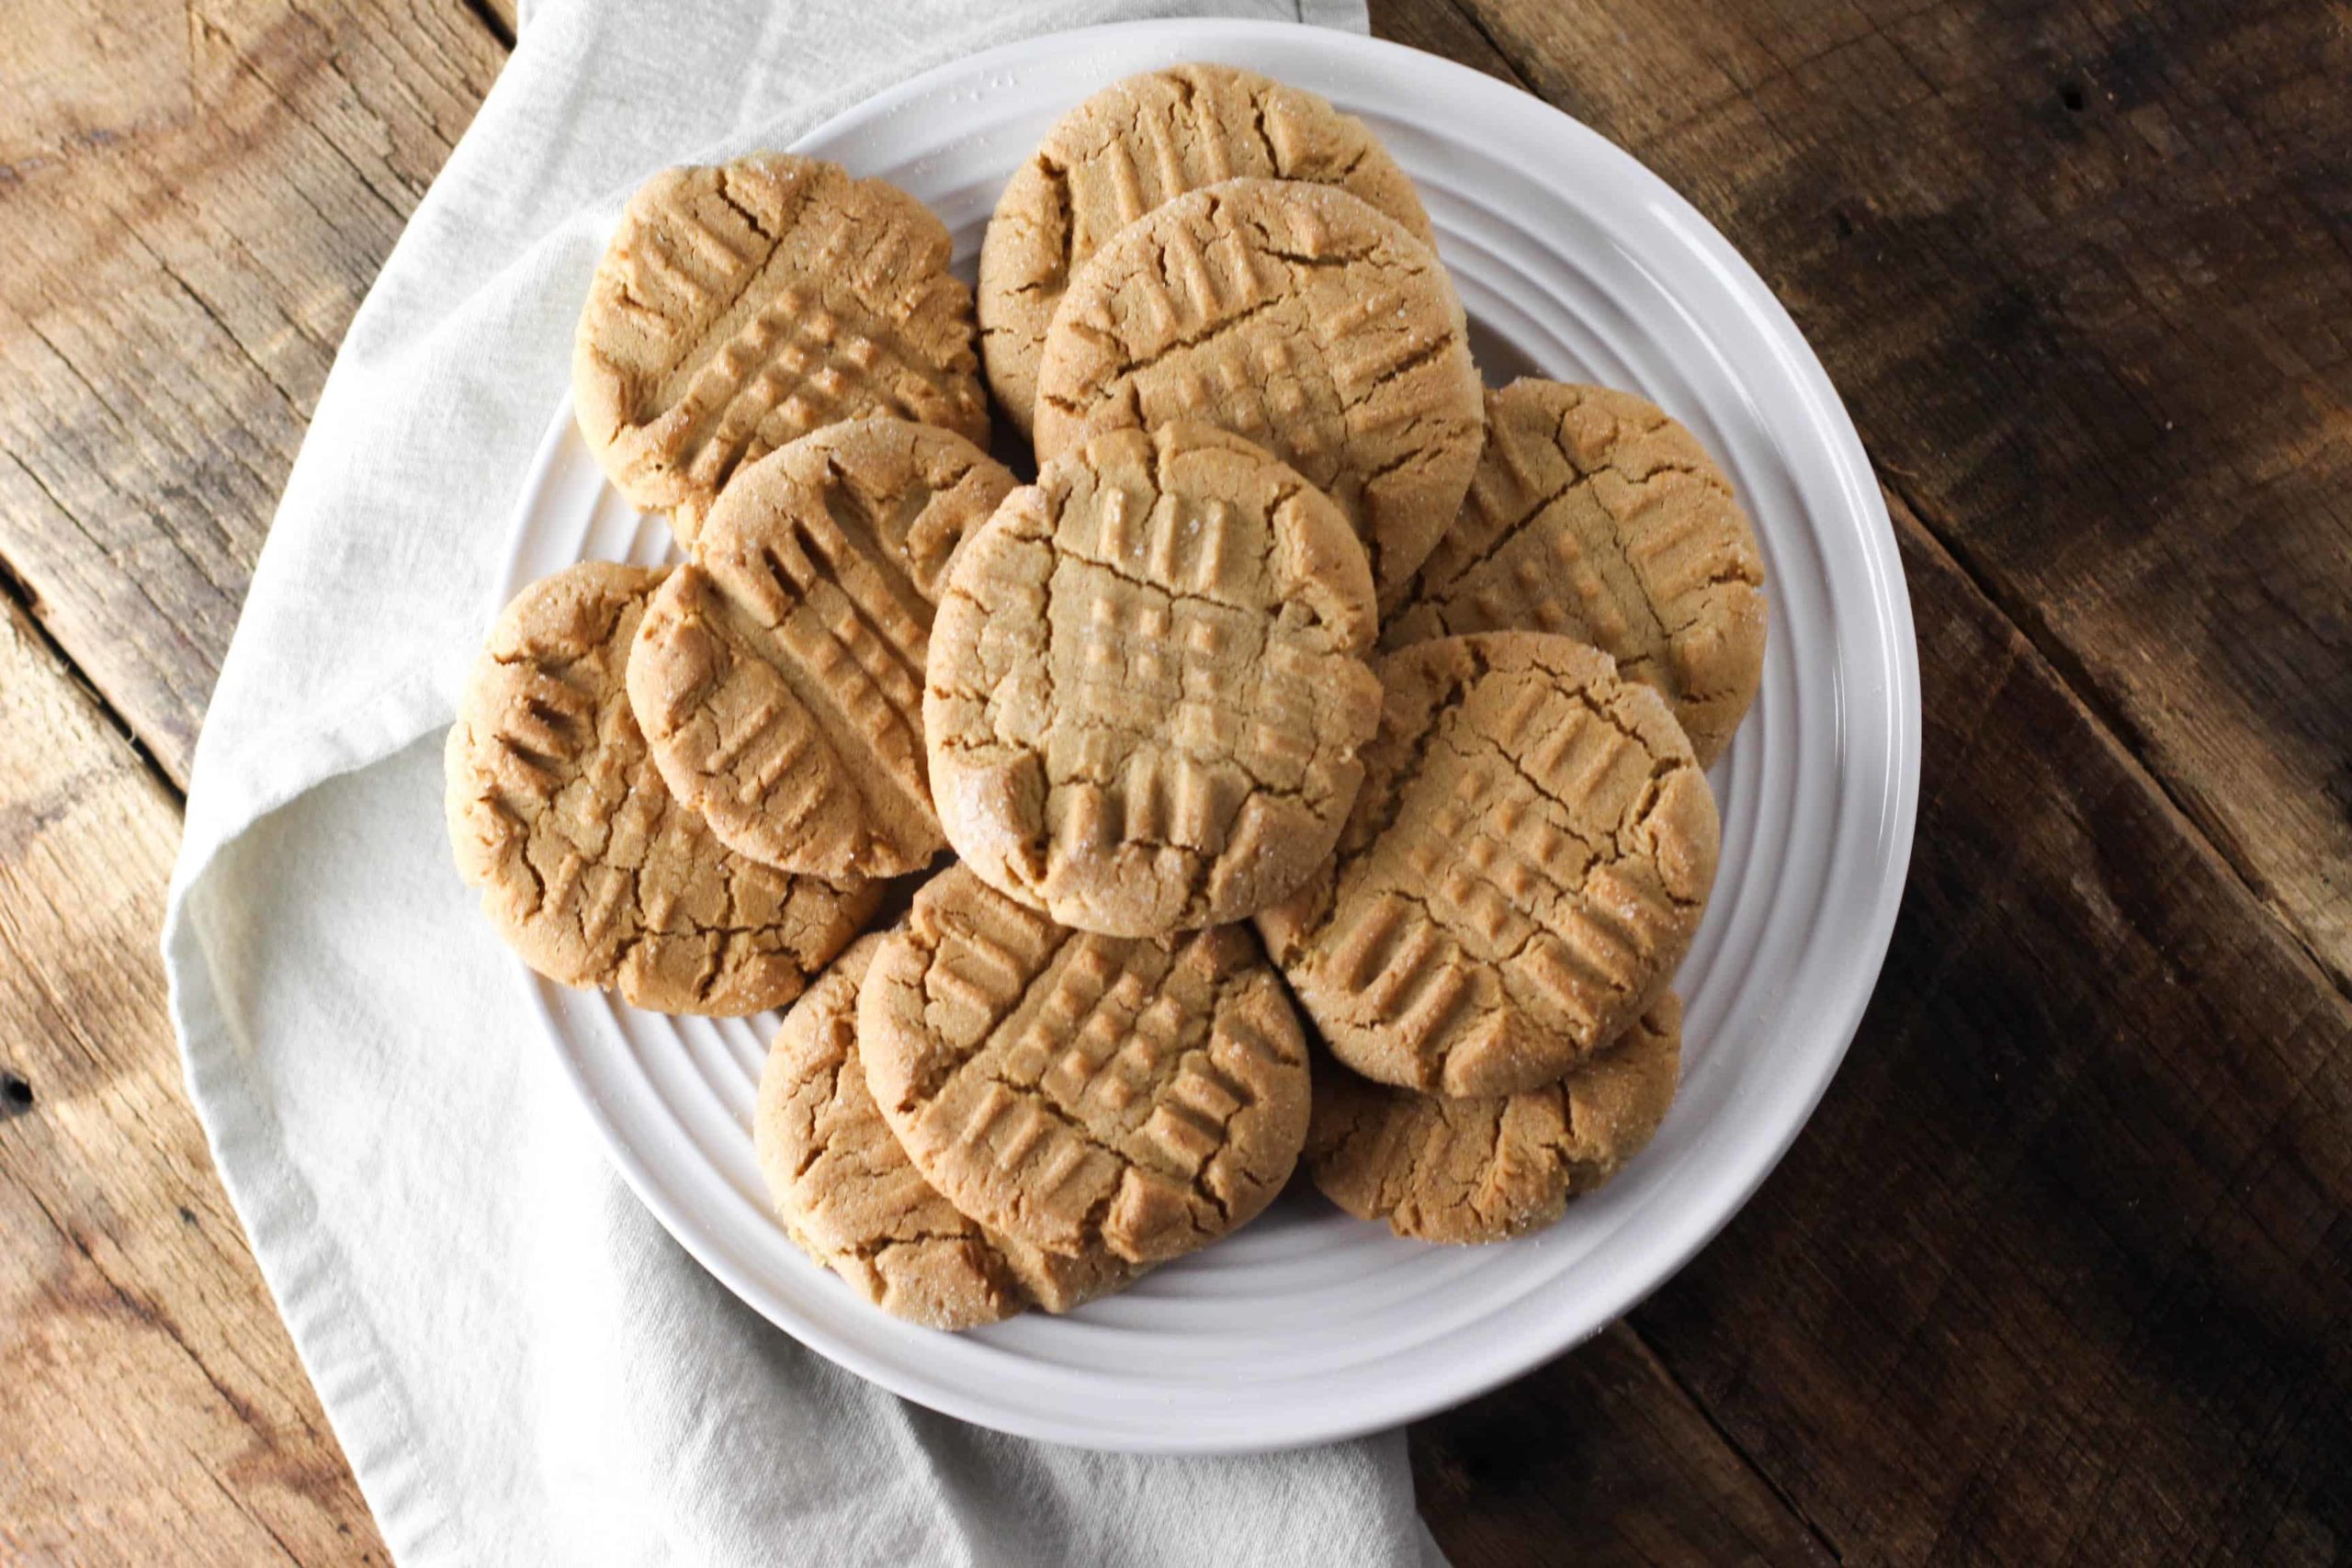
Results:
[1318, 738]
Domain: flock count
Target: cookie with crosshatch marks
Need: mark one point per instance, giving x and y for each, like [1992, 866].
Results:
[1132, 146]
[851, 1199]
[778, 676]
[587, 865]
[1496, 1166]
[1595, 515]
[1141, 1095]
[1526, 864]
[1295, 315]
[742, 305]
[1148, 686]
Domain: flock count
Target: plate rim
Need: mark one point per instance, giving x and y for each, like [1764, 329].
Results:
[1686, 1233]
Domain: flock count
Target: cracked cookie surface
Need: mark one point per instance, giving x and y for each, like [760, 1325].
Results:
[779, 676]
[852, 1201]
[1594, 515]
[1131, 147]
[1295, 315]
[587, 865]
[1142, 1097]
[1490, 1168]
[742, 305]
[1147, 689]
[1526, 864]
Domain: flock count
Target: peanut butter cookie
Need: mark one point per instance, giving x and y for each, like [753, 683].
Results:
[743, 305]
[1131, 147]
[587, 865]
[1594, 515]
[1487, 1169]
[1083, 1092]
[779, 676]
[1148, 688]
[1295, 315]
[1526, 864]
[851, 1200]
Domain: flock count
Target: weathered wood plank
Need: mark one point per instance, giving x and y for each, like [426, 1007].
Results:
[1442, 28]
[152, 1406]
[2083, 273]
[196, 199]
[2060, 1269]
[1599, 1458]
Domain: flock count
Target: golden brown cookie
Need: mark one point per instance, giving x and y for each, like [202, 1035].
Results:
[1487, 1169]
[1144, 1097]
[1526, 864]
[1295, 315]
[1594, 515]
[779, 677]
[851, 1200]
[587, 865]
[746, 304]
[1147, 687]
[1132, 146]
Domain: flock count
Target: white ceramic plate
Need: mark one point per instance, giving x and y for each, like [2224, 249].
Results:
[1575, 263]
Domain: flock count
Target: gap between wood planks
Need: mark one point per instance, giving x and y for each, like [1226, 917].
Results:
[499, 17]
[14, 591]
[1781, 1494]
[2068, 671]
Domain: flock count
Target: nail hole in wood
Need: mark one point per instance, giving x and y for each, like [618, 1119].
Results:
[16, 1095]
[2070, 95]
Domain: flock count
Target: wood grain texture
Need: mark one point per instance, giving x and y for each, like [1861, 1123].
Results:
[196, 199]
[2059, 1270]
[151, 1409]
[1441, 27]
[1601, 1450]
[2083, 273]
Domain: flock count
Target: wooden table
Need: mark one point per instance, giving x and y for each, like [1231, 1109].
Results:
[2060, 1268]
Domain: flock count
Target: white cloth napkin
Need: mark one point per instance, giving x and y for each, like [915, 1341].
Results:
[521, 1367]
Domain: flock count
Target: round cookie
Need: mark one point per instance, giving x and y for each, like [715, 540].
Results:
[1490, 1168]
[587, 865]
[1141, 1097]
[851, 1200]
[742, 305]
[779, 676]
[1130, 147]
[1295, 315]
[1526, 864]
[1147, 689]
[1596, 516]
